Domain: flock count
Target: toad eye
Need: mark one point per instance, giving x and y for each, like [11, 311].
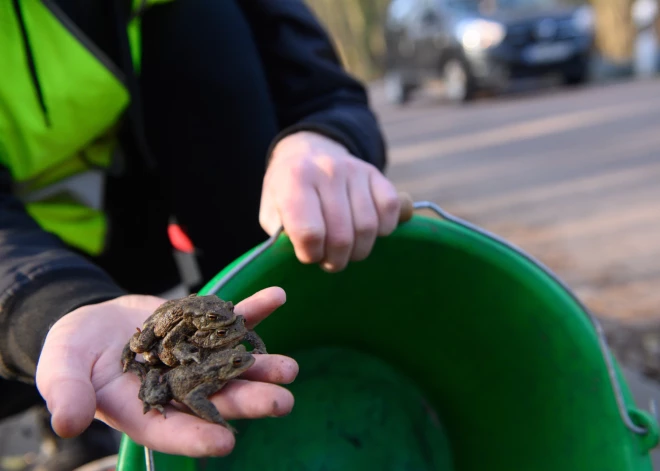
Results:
[212, 316]
[237, 361]
[221, 333]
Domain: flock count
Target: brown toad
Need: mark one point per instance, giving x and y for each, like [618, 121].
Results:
[228, 337]
[177, 319]
[192, 384]
[193, 347]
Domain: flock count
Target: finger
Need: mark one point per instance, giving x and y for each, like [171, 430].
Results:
[182, 433]
[339, 226]
[64, 380]
[269, 368]
[302, 219]
[387, 203]
[260, 305]
[269, 217]
[365, 216]
[242, 399]
[186, 434]
[178, 433]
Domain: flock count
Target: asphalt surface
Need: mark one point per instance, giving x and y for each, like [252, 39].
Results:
[571, 176]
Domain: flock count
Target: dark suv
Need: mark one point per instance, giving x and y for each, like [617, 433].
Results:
[483, 44]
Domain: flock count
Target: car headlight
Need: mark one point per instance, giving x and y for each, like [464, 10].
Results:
[583, 20]
[480, 34]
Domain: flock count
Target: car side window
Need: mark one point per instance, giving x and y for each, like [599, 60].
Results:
[401, 10]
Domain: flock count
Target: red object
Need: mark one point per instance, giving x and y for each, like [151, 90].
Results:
[179, 239]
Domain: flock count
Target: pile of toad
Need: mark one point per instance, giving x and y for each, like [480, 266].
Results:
[191, 348]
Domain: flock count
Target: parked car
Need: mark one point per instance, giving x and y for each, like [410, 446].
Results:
[473, 45]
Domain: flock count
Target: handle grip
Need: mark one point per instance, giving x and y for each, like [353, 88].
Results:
[407, 207]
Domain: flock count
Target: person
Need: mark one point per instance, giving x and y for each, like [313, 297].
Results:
[235, 117]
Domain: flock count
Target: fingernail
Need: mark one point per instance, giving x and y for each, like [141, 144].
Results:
[327, 267]
[280, 414]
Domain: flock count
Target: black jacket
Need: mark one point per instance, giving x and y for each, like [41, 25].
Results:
[41, 279]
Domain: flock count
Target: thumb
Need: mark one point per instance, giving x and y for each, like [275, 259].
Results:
[64, 381]
[269, 217]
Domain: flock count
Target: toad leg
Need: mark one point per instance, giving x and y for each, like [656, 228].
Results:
[141, 341]
[176, 335]
[199, 403]
[154, 392]
[129, 363]
[258, 345]
[186, 353]
[183, 353]
[152, 357]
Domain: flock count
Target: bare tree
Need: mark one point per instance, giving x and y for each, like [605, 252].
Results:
[356, 27]
[615, 30]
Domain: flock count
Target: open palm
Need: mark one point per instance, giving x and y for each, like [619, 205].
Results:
[79, 374]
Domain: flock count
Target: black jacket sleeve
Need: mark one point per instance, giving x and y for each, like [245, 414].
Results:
[40, 281]
[310, 88]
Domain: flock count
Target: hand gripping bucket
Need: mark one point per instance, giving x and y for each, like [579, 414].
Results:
[448, 349]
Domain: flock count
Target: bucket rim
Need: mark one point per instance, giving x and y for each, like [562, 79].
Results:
[631, 417]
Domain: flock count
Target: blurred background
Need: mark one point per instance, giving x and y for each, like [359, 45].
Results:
[538, 120]
[624, 32]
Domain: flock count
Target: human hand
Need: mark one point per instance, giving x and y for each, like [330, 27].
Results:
[79, 374]
[332, 204]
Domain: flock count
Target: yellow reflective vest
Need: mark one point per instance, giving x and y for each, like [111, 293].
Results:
[61, 99]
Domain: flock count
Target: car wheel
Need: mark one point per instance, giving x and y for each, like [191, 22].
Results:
[397, 91]
[458, 83]
[577, 77]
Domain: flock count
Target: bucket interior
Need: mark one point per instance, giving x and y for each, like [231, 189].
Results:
[506, 357]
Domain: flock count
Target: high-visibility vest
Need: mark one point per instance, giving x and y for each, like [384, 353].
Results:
[61, 99]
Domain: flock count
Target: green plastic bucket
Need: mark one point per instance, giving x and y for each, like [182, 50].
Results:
[515, 368]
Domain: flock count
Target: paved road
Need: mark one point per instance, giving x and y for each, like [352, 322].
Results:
[573, 177]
